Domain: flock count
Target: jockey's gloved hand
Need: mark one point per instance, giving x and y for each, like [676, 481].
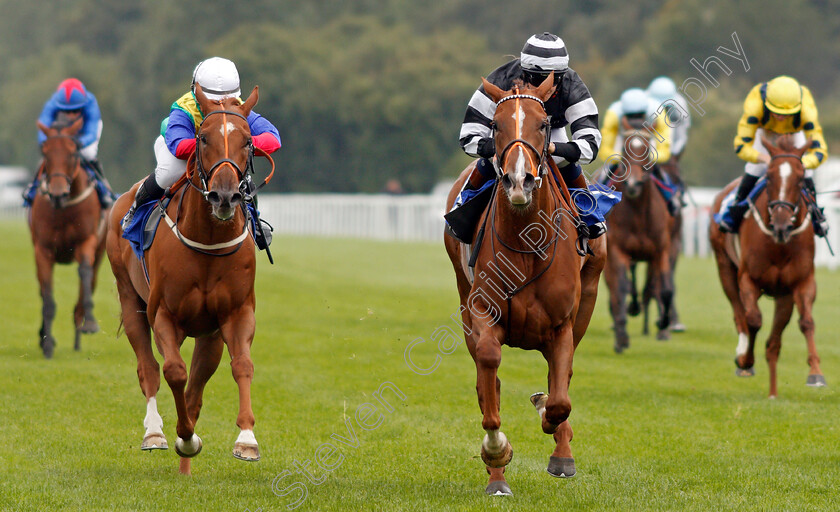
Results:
[487, 148]
[568, 150]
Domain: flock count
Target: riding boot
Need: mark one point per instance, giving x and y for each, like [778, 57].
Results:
[147, 191]
[574, 178]
[673, 201]
[103, 188]
[30, 191]
[736, 210]
[817, 216]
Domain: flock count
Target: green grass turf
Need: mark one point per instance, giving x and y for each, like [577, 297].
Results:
[665, 426]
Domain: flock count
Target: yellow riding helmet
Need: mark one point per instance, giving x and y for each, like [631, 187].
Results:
[784, 95]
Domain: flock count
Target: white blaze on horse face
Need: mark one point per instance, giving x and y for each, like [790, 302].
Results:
[743, 344]
[785, 170]
[521, 164]
[227, 128]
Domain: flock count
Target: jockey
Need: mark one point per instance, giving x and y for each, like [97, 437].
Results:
[571, 104]
[219, 80]
[663, 92]
[773, 108]
[637, 109]
[68, 103]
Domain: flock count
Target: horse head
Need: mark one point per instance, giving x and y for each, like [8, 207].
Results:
[636, 157]
[785, 175]
[224, 149]
[521, 130]
[62, 162]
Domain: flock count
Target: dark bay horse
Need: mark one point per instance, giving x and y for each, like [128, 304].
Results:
[772, 254]
[67, 224]
[521, 293]
[640, 229]
[200, 282]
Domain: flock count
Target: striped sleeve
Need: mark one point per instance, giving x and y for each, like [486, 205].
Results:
[818, 152]
[582, 116]
[476, 126]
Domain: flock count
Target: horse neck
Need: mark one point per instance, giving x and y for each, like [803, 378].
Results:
[81, 182]
[511, 223]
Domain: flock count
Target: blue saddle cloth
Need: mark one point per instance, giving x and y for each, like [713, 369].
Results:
[595, 203]
[140, 235]
[725, 213]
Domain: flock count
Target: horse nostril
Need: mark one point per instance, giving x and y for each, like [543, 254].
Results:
[236, 198]
[530, 182]
[507, 182]
[214, 197]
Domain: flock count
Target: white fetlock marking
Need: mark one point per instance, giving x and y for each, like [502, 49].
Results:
[743, 344]
[191, 446]
[153, 422]
[494, 441]
[247, 438]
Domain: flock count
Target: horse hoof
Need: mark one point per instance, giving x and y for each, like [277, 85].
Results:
[246, 452]
[188, 449]
[677, 327]
[634, 309]
[48, 346]
[744, 372]
[498, 488]
[618, 348]
[500, 459]
[154, 441]
[89, 327]
[561, 467]
[816, 381]
[538, 400]
[663, 335]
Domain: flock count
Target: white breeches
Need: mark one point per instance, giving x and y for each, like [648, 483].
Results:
[168, 168]
[91, 151]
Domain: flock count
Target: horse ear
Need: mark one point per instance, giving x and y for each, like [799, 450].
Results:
[252, 100]
[802, 150]
[203, 102]
[547, 87]
[769, 147]
[44, 128]
[494, 92]
[74, 128]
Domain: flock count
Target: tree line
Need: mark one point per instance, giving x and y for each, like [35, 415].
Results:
[363, 91]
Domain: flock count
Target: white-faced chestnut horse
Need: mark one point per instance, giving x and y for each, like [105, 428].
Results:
[640, 229]
[534, 296]
[200, 282]
[67, 224]
[772, 254]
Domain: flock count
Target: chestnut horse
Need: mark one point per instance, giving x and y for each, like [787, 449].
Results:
[534, 296]
[772, 254]
[200, 282]
[67, 224]
[640, 229]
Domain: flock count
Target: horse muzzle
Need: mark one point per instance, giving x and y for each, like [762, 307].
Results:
[519, 188]
[224, 203]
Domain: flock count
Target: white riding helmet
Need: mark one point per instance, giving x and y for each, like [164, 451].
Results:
[662, 88]
[634, 101]
[218, 78]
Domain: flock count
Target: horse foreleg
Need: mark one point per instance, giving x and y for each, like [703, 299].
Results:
[555, 408]
[749, 294]
[676, 248]
[238, 333]
[664, 291]
[781, 317]
[137, 330]
[205, 360]
[590, 275]
[496, 450]
[616, 272]
[44, 268]
[168, 338]
[804, 296]
[633, 309]
[728, 274]
[85, 322]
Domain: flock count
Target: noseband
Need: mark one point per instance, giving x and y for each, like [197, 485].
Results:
[499, 164]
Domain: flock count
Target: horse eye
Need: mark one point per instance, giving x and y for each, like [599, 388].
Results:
[203, 139]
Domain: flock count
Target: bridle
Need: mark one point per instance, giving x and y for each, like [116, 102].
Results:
[69, 178]
[767, 227]
[499, 162]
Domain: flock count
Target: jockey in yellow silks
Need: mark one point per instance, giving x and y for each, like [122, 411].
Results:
[780, 106]
[639, 111]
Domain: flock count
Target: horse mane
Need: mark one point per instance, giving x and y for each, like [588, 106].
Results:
[62, 121]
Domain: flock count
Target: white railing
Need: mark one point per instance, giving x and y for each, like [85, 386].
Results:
[420, 218]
